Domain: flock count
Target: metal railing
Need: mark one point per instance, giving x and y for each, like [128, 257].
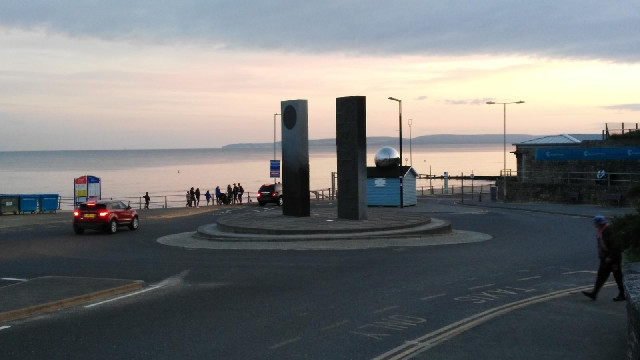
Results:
[174, 201]
[467, 190]
[579, 178]
[620, 128]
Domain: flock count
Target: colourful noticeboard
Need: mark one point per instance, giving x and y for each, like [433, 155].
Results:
[86, 188]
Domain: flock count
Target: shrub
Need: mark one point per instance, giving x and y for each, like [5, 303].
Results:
[626, 233]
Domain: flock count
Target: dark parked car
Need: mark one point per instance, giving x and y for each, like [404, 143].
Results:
[270, 193]
[104, 215]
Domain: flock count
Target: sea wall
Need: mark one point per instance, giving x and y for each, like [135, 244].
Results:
[559, 193]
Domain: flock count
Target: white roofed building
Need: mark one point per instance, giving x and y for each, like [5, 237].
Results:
[550, 168]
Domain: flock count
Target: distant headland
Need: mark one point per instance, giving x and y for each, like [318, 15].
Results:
[441, 139]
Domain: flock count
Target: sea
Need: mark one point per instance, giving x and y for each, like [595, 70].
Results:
[167, 174]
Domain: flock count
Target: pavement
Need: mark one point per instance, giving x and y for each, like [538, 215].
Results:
[266, 229]
[46, 294]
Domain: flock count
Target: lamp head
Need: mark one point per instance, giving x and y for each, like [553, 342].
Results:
[491, 102]
[520, 102]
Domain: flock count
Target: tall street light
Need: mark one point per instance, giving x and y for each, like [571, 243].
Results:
[274, 144]
[274, 136]
[400, 126]
[410, 149]
[504, 166]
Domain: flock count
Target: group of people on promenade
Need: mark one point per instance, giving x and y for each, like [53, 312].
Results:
[233, 195]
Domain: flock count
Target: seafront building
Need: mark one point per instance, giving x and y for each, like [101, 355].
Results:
[579, 168]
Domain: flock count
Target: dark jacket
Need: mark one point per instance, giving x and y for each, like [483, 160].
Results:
[607, 248]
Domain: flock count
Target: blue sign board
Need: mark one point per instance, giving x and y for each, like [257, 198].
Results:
[563, 154]
[274, 168]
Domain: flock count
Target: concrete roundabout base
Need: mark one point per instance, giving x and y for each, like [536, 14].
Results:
[190, 240]
[270, 230]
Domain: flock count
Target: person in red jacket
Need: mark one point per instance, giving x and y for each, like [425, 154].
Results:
[610, 255]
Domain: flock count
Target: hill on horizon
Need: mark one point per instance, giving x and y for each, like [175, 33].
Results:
[440, 139]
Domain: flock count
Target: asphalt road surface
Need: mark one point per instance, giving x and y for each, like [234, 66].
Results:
[516, 296]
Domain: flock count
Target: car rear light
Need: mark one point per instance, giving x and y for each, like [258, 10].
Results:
[103, 213]
[76, 213]
[274, 194]
[259, 195]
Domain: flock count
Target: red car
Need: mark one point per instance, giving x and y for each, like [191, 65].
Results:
[104, 215]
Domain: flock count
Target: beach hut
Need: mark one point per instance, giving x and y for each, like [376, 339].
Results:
[383, 186]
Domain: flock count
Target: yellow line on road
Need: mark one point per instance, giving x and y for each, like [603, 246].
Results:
[424, 343]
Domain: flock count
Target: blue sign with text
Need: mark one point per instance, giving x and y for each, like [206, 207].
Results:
[560, 154]
[274, 168]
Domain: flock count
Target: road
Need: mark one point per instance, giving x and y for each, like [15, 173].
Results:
[515, 296]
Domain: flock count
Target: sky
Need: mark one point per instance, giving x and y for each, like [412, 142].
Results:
[142, 74]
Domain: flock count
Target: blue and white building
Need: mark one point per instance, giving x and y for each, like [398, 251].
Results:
[383, 186]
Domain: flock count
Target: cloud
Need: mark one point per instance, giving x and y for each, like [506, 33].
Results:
[482, 101]
[586, 29]
[627, 107]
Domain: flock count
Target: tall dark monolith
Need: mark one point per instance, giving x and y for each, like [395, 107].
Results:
[295, 158]
[351, 147]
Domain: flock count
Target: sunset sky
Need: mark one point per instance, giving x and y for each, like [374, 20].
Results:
[142, 74]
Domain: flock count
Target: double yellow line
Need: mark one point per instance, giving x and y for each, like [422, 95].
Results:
[424, 343]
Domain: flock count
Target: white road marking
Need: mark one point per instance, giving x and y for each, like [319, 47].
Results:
[529, 278]
[4, 327]
[385, 309]
[481, 286]
[286, 342]
[580, 272]
[333, 326]
[432, 297]
[14, 279]
[413, 347]
[125, 296]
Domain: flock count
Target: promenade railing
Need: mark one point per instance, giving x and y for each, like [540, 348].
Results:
[174, 201]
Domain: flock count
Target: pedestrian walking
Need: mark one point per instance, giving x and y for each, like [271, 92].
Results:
[229, 194]
[240, 192]
[197, 193]
[207, 196]
[147, 199]
[188, 199]
[610, 255]
[235, 193]
[192, 197]
[218, 195]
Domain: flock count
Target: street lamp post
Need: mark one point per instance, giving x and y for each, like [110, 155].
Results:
[274, 141]
[274, 136]
[400, 126]
[410, 148]
[504, 143]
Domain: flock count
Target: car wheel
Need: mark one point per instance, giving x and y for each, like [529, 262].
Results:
[77, 229]
[134, 223]
[113, 226]
[261, 203]
[280, 201]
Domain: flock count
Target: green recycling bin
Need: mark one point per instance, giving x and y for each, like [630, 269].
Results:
[9, 203]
